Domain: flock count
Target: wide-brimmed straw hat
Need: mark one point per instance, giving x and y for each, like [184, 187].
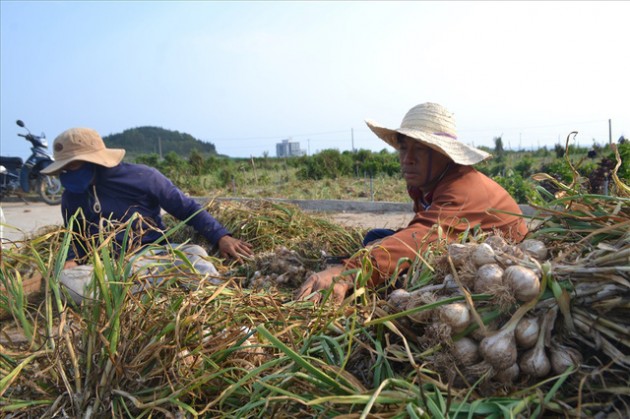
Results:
[82, 144]
[432, 125]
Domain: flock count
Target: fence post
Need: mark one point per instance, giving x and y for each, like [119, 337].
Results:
[371, 188]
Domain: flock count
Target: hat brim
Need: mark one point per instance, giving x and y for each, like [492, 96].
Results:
[459, 152]
[108, 157]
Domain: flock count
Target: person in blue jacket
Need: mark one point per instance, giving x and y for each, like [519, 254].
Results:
[101, 189]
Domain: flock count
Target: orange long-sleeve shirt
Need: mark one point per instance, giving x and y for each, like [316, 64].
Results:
[463, 199]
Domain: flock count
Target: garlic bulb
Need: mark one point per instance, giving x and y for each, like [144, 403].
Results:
[497, 243]
[535, 362]
[456, 315]
[515, 254]
[449, 281]
[507, 375]
[534, 248]
[523, 282]
[563, 357]
[488, 278]
[466, 351]
[526, 332]
[398, 299]
[499, 349]
[459, 253]
[483, 254]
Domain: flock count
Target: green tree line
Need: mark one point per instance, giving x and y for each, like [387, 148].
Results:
[513, 170]
[195, 166]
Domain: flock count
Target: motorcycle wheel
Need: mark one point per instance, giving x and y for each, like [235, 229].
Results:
[50, 190]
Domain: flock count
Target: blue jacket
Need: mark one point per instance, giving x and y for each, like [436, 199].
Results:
[135, 188]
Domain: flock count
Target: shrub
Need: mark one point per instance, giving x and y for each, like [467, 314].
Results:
[329, 164]
[559, 169]
[524, 166]
[521, 190]
[196, 163]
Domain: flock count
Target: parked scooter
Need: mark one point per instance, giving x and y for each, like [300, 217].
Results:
[19, 177]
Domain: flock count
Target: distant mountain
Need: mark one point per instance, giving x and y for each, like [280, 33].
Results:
[149, 140]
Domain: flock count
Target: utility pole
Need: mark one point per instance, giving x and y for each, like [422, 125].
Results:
[609, 132]
[352, 137]
[160, 147]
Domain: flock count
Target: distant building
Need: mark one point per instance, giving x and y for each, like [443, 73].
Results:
[288, 148]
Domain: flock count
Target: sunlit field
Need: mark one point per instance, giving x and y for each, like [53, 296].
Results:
[550, 338]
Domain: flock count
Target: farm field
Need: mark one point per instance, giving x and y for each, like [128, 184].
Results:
[242, 346]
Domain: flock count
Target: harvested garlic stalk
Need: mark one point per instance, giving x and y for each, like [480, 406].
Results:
[535, 361]
[499, 348]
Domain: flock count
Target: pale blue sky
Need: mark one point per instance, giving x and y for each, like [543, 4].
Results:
[245, 75]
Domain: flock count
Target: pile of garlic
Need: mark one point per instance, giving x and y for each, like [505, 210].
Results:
[281, 267]
[523, 345]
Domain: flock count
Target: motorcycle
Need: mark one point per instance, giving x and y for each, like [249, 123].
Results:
[17, 177]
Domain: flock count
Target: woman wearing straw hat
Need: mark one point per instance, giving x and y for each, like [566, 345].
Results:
[100, 188]
[447, 192]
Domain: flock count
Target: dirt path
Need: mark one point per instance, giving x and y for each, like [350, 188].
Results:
[22, 220]
[392, 220]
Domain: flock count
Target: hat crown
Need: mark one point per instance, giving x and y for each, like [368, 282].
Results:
[77, 141]
[434, 126]
[431, 118]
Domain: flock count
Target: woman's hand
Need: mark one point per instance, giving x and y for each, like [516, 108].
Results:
[70, 264]
[229, 246]
[322, 281]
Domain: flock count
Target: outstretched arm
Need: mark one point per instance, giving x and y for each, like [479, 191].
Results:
[173, 200]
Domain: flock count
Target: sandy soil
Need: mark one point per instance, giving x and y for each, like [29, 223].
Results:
[23, 219]
[393, 220]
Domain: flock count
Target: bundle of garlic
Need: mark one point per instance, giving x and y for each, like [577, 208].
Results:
[514, 345]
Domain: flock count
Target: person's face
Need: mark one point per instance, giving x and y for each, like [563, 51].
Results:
[75, 165]
[420, 165]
